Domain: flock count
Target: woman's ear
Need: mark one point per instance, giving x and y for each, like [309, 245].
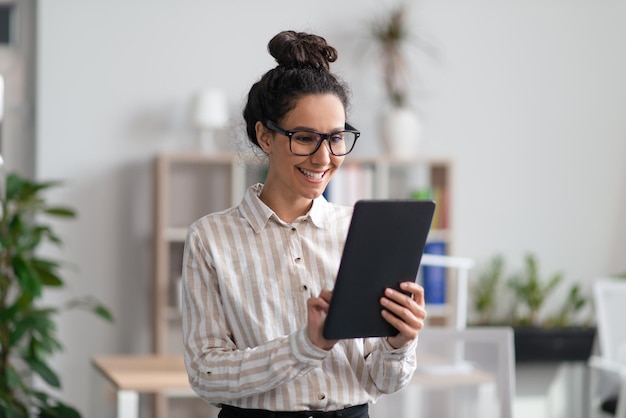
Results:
[263, 136]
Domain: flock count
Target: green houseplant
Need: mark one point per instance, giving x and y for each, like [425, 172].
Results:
[542, 333]
[27, 329]
[484, 291]
[531, 292]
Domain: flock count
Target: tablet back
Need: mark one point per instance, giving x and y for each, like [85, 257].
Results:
[383, 248]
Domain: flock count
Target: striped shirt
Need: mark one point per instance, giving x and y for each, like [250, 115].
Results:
[246, 278]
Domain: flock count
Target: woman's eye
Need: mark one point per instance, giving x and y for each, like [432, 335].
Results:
[337, 137]
[304, 138]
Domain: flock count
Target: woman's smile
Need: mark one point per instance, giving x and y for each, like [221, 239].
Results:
[313, 175]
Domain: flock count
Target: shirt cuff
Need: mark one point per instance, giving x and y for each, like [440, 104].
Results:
[304, 351]
[389, 349]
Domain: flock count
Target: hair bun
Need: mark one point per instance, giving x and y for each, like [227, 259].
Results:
[299, 49]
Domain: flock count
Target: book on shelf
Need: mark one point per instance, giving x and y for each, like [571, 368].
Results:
[434, 277]
[352, 182]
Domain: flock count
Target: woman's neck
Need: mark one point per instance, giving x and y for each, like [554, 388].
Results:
[286, 209]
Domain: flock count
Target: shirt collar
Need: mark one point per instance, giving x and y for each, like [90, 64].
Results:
[258, 213]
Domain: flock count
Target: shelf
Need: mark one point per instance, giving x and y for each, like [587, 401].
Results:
[439, 311]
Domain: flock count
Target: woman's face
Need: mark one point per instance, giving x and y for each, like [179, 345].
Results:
[303, 177]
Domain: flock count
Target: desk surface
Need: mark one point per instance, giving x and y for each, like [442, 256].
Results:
[144, 373]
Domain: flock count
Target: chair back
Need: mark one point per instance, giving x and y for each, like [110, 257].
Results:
[609, 297]
[461, 373]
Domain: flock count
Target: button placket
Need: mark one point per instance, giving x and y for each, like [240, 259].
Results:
[299, 277]
[296, 248]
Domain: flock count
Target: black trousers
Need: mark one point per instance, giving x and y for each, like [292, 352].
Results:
[359, 411]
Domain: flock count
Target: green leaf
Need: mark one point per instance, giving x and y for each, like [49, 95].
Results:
[59, 411]
[14, 185]
[14, 379]
[8, 314]
[90, 303]
[19, 331]
[26, 276]
[63, 212]
[46, 270]
[103, 312]
[41, 368]
[13, 411]
[30, 189]
[44, 345]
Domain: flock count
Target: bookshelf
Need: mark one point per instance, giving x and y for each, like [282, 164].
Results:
[391, 178]
[190, 185]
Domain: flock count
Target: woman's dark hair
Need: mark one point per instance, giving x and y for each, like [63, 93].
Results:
[303, 68]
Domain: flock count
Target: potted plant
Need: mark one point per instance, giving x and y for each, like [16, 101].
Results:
[484, 291]
[27, 328]
[400, 125]
[541, 335]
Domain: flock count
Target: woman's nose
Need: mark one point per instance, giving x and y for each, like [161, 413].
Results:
[323, 155]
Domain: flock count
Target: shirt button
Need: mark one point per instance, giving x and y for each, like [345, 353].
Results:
[304, 288]
[321, 396]
[298, 259]
[293, 229]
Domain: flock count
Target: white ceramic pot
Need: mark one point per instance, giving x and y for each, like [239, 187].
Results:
[401, 132]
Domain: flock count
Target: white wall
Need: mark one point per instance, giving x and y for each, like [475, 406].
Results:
[526, 97]
[17, 67]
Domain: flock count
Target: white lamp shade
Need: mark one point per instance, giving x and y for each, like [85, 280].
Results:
[210, 110]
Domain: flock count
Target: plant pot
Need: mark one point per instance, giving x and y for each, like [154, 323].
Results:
[401, 131]
[553, 344]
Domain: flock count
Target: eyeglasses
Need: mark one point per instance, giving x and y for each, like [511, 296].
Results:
[303, 142]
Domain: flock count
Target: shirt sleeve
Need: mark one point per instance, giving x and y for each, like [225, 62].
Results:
[218, 370]
[390, 369]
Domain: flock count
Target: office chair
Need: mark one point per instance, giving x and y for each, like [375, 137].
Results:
[461, 373]
[608, 368]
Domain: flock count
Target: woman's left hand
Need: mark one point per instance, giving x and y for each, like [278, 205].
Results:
[407, 313]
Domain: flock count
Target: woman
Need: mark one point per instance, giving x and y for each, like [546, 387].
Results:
[257, 276]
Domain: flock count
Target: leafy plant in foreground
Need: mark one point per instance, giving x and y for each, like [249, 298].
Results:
[27, 329]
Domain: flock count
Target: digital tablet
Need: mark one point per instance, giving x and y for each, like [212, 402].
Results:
[383, 248]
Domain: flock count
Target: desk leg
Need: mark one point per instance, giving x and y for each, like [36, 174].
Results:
[127, 404]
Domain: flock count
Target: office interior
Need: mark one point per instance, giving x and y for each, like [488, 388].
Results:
[526, 99]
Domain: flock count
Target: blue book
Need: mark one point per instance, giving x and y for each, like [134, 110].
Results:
[434, 277]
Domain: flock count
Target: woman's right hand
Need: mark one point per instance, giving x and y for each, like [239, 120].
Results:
[317, 309]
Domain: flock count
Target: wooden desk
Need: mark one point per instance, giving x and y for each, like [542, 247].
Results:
[132, 375]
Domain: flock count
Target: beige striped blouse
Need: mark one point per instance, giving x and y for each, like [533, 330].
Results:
[246, 278]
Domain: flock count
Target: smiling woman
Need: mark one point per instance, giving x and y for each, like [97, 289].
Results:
[253, 324]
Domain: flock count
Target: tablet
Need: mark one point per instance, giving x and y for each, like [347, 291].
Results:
[383, 248]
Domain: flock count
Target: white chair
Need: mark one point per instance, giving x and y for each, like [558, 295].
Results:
[461, 373]
[608, 368]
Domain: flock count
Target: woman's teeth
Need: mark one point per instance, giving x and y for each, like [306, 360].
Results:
[312, 174]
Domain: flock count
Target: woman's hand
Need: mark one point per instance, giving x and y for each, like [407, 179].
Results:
[317, 308]
[406, 313]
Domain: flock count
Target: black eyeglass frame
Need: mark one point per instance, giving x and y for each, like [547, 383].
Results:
[272, 126]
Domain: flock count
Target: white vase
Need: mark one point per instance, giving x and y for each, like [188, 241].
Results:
[401, 132]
